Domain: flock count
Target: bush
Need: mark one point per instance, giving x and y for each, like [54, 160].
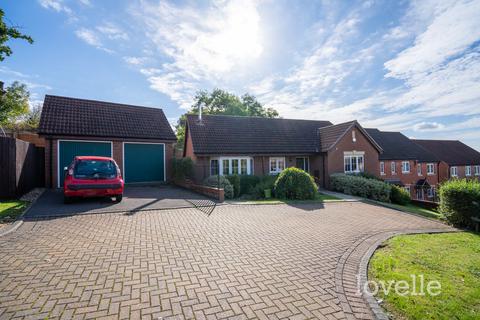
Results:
[360, 186]
[295, 184]
[220, 182]
[182, 168]
[235, 182]
[247, 183]
[264, 183]
[459, 201]
[367, 175]
[399, 195]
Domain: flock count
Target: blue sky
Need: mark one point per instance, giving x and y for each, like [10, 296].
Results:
[396, 65]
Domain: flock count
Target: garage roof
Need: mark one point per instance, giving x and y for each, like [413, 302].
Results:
[81, 117]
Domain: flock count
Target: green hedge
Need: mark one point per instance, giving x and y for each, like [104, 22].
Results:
[360, 186]
[235, 182]
[247, 183]
[220, 182]
[182, 168]
[295, 184]
[399, 195]
[264, 183]
[459, 201]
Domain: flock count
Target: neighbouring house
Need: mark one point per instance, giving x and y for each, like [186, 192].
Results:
[407, 164]
[140, 139]
[457, 160]
[225, 145]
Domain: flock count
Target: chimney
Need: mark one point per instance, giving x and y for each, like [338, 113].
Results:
[200, 112]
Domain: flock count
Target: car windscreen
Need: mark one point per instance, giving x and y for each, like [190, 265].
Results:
[94, 169]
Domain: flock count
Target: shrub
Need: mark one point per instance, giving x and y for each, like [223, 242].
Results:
[399, 195]
[459, 201]
[367, 175]
[235, 182]
[182, 168]
[296, 184]
[360, 186]
[265, 182]
[247, 183]
[220, 182]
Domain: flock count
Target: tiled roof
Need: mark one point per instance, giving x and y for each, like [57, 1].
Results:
[396, 146]
[80, 117]
[451, 151]
[218, 134]
[330, 135]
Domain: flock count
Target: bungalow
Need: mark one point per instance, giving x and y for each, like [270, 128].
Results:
[407, 164]
[225, 145]
[457, 160]
[140, 139]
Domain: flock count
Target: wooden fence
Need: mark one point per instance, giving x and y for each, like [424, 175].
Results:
[22, 167]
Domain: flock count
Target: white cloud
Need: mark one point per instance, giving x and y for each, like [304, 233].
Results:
[56, 5]
[112, 31]
[85, 2]
[450, 33]
[136, 61]
[203, 44]
[91, 37]
[428, 126]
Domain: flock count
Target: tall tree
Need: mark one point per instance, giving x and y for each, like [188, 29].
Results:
[7, 33]
[13, 103]
[222, 102]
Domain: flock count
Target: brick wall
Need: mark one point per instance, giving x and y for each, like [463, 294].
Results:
[335, 157]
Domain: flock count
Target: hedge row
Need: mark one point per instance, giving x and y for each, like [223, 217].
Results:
[460, 201]
[360, 186]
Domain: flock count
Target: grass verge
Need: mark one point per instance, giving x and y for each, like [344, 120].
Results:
[10, 210]
[410, 208]
[453, 259]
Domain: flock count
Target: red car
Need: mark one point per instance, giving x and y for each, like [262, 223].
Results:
[89, 176]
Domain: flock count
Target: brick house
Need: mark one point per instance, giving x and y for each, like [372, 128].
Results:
[407, 164]
[457, 160]
[252, 145]
[140, 139]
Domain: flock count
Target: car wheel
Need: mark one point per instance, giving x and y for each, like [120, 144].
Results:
[118, 198]
[67, 200]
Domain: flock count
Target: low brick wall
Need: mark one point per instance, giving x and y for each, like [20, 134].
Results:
[211, 192]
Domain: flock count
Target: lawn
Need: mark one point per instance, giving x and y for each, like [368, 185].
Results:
[453, 259]
[11, 209]
[320, 197]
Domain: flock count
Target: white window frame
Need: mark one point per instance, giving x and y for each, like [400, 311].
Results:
[230, 164]
[354, 155]
[408, 189]
[454, 171]
[403, 166]
[382, 168]
[430, 172]
[277, 167]
[59, 173]
[469, 172]
[419, 169]
[306, 162]
[476, 170]
[393, 167]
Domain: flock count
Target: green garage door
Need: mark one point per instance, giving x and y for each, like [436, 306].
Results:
[144, 162]
[67, 150]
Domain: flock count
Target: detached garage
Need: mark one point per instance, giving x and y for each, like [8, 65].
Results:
[140, 139]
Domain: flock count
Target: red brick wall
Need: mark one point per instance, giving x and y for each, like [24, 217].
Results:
[335, 162]
[189, 146]
[32, 138]
[117, 156]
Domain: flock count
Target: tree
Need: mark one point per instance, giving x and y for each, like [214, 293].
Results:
[7, 33]
[31, 120]
[13, 103]
[222, 102]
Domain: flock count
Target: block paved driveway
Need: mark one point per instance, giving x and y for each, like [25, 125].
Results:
[241, 262]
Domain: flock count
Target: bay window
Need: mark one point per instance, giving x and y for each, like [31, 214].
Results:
[353, 162]
[277, 164]
[231, 165]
